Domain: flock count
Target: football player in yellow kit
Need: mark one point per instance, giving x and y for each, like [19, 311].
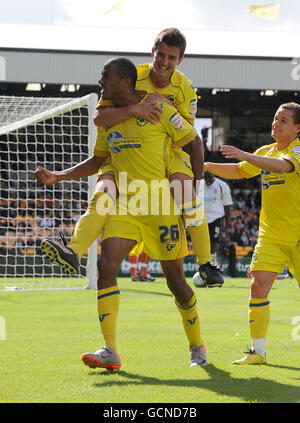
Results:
[162, 79]
[138, 150]
[278, 241]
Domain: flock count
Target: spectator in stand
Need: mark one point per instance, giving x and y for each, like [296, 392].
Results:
[12, 226]
[240, 201]
[254, 231]
[233, 235]
[12, 213]
[49, 201]
[244, 239]
[48, 221]
[3, 249]
[3, 226]
[11, 251]
[20, 245]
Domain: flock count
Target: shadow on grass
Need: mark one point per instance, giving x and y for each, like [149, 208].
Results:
[255, 389]
[284, 367]
[168, 294]
[235, 287]
[143, 291]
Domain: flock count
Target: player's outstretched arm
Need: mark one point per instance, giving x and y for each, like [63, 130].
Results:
[110, 116]
[270, 164]
[224, 170]
[86, 168]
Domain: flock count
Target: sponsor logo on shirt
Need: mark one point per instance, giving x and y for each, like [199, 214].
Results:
[296, 150]
[268, 179]
[176, 121]
[117, 143]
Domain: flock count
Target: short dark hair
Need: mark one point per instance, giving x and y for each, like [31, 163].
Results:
[173, 38]
[125, 68]
[295, 108]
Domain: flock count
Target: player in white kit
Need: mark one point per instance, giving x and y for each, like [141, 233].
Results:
[217, 204]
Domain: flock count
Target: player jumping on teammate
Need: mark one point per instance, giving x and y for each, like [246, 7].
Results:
[161, 78]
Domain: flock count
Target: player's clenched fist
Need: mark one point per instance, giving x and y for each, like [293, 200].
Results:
[45, 177]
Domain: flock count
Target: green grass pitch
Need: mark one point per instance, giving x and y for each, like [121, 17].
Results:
[47, 332]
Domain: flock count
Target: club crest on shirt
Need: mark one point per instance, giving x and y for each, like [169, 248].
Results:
[173, 99]
[141, 121]
[176, 121]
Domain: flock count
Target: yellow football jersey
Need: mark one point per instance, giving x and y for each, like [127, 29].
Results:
[180, 90]
[140, 148]
[280, 213]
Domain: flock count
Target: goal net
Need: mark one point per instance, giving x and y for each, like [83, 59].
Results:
[55, 133]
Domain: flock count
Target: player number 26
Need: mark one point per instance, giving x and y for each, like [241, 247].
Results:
[169, 232]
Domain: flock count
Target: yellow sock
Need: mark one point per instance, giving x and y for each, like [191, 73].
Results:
[108, 301]
[90, 225]
[190, 320]
[259, 316]
[201, 241]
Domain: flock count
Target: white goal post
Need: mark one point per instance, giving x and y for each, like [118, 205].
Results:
[55, 133]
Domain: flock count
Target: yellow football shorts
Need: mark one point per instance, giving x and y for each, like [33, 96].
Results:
[179, 162]
[274, 257]
[137, 249]
[106, 168]
[161, 237]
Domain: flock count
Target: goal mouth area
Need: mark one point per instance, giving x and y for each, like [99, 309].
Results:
[51, 106]
[54, 133]
[19, 284]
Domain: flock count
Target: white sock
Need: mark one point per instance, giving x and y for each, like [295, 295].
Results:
[213, 258]
[259, 346]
